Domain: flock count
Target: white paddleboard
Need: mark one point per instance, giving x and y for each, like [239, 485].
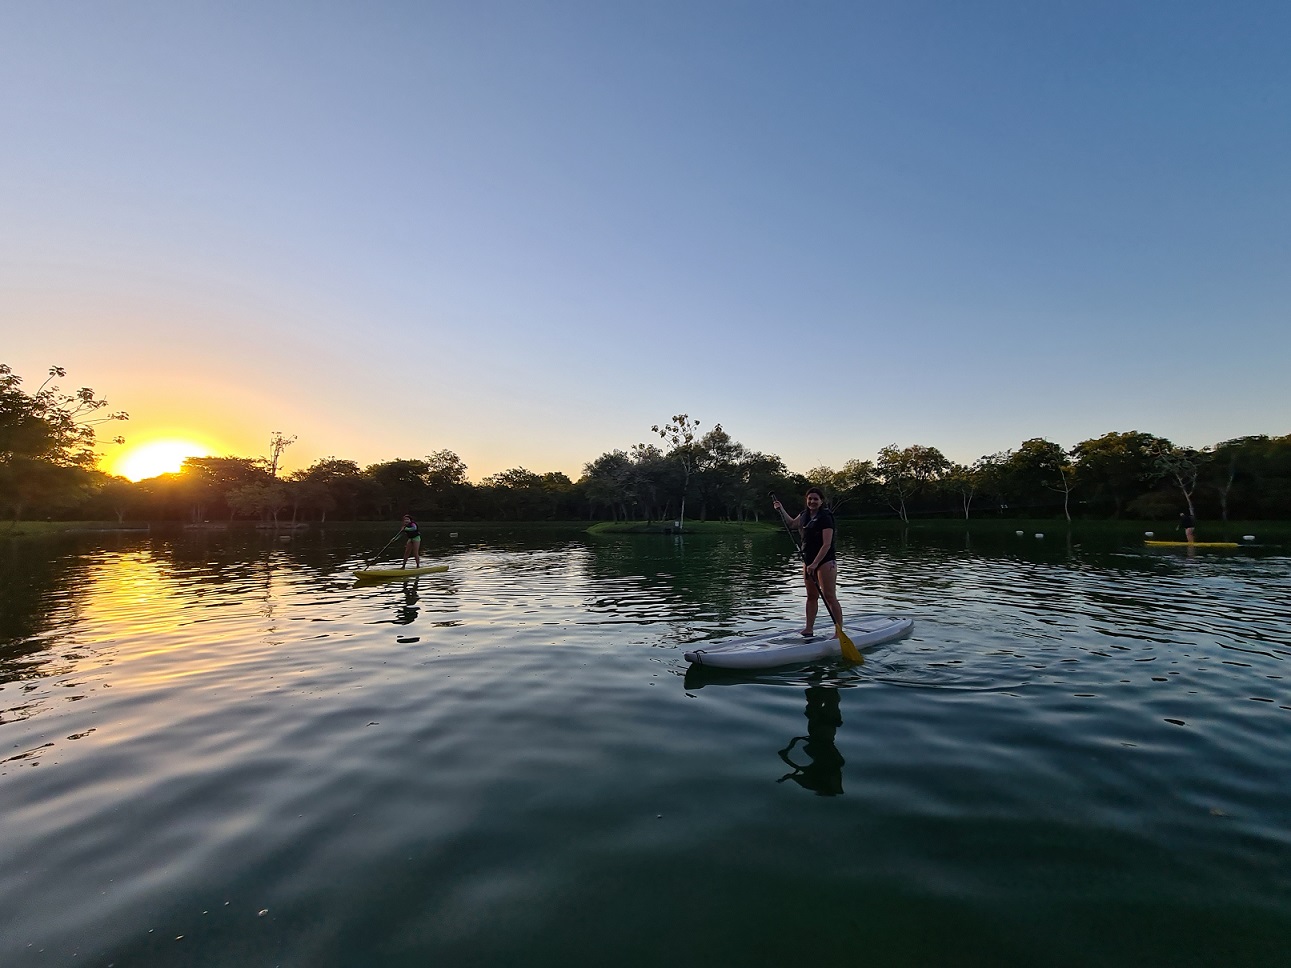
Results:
[785, 648]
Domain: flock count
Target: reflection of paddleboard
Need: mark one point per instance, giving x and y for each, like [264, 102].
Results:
[785, 648]
[398, 572]
[801, 676]
[1192, 544]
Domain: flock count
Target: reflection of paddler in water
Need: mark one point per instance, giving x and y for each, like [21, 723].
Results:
[823, 771]
[408, 610]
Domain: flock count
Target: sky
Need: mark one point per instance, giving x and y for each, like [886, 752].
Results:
[528, 231]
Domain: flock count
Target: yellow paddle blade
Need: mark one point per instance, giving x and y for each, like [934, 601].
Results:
[850, 652]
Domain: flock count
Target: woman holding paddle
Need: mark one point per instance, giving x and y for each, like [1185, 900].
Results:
[819, 565]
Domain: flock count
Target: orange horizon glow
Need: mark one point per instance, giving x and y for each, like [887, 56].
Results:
[155, 457]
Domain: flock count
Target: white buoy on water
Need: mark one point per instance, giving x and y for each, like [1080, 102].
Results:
[1248, 537]
[1039, 535]
[1019, 534]
[1148, 534]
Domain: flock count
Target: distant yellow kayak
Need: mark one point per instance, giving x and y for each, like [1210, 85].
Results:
[398, 572]
[1193, 544]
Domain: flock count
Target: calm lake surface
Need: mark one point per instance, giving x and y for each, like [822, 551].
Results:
[218, 749]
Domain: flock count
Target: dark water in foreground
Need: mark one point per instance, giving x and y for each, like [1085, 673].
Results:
[218, 750]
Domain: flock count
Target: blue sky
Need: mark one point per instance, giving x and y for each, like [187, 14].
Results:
[526, 232]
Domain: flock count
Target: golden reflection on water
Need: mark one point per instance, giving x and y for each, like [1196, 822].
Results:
[133, 601]
[136, 624]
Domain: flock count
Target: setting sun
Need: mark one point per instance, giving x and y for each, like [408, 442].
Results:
[157, 457]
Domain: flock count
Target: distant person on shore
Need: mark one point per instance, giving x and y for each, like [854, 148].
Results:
[1188, 525]
[819, 565]
[412, 546]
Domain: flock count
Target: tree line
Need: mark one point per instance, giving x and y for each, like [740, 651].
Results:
[48, 469]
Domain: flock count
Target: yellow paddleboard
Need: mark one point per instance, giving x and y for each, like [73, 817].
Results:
[398, 572]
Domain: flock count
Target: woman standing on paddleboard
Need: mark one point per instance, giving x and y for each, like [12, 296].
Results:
[411, 547]
[820, 567]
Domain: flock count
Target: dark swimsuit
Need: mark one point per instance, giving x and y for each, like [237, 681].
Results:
[813, 534]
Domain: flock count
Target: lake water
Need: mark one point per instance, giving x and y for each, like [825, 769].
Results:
[217, 749]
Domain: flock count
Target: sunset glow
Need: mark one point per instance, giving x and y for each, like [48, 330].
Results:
[157, 457]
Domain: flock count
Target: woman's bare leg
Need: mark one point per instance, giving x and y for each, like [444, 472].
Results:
[813, 604]
[828, 575]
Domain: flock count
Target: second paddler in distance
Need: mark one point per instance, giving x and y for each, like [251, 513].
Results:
[412, 542]
[819, 564]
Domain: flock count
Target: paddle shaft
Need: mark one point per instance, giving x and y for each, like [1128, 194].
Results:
[383, 550]
[784, 519]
